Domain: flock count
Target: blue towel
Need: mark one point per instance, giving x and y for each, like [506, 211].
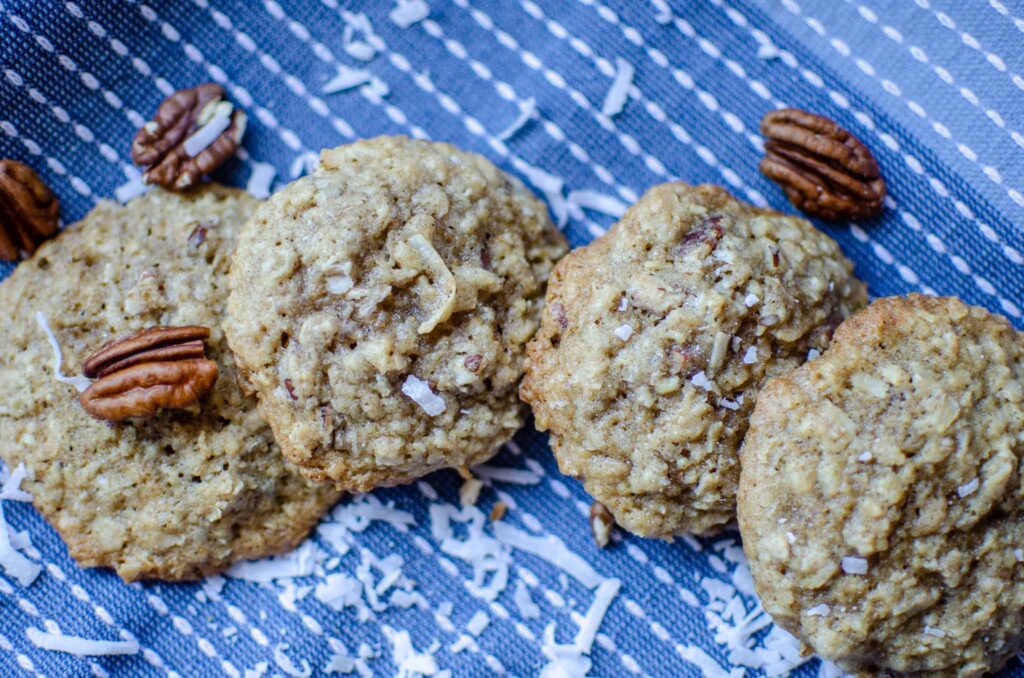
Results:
[934, 87]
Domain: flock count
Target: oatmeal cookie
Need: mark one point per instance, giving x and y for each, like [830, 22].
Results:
[186, 492]
[656, 338]
[880, 495]
[380, 309]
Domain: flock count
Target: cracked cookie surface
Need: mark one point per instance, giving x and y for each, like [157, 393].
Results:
[656, 338]
[182, 494]
[380, 309]
[880, 496]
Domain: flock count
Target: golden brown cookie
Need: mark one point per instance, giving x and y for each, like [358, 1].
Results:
[380, 309]
[182, 494]
[881, 497]
[656, 338]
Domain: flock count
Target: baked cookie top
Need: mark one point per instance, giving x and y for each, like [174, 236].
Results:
[380, 309]
[184, 493]
[881, 498]
[656, 338]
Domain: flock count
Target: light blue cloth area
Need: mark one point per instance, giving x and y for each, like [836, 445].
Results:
[934, 87]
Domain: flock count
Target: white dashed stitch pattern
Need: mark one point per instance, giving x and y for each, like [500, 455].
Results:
[997, 62]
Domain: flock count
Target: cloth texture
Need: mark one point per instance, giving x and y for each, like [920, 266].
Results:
[934, 87]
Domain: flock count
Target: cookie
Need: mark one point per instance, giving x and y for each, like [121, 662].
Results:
[656, 338]
[880, 496]
[380, 309]
[186, 492]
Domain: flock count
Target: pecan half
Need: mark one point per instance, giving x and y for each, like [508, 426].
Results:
[824, 170]
[28, 210]
[174, 147]
[156, 368]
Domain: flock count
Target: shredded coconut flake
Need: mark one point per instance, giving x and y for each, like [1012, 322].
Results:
[339, 284]
[80, 647]
[813, 354]
[80, 383]
[854, 565]
[938, 633]
[363, 51]
[409, 12]
[569, 661]
[527, 608]
[551, 186]
[619, 91]
[700, 380]
[358, 49]
[478, 623]
[598, 202]
[708, 666]
[623, 332]
[790, 537]
[865, 457]
[346, 79]
[750, 300]
[13, 563]
[378, 88]
[489, 558]
[301, 562]
[750, 357]
[11, 484]
[469, 493]
[1019, 554]
[285, 663]
[338, 591]
[729, 404]
[818, 610]
[260, 179]
[968, 488]
[515, 476]
[208, 133]
[551, 549]
[133, 188]
[409, 662]
[420, 392]
[340, 663]
[526, 113]
[304, 163]
[603, 597]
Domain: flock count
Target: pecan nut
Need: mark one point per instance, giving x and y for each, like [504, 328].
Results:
[156, 368]
[824, 170]
[193, 132]
[29, 211]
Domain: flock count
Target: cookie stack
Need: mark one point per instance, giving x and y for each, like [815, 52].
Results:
[378, 313]
[696, 360]
[241, 364]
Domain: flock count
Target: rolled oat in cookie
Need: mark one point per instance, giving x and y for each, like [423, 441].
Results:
[656, 338]
[880, 496]
[380, 309]
[183, 493]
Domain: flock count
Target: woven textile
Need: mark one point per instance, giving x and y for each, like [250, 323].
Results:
[934, 87]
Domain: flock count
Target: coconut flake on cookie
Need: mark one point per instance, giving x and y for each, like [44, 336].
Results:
[420, 392]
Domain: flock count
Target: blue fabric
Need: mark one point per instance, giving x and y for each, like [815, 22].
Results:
[934, 87]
